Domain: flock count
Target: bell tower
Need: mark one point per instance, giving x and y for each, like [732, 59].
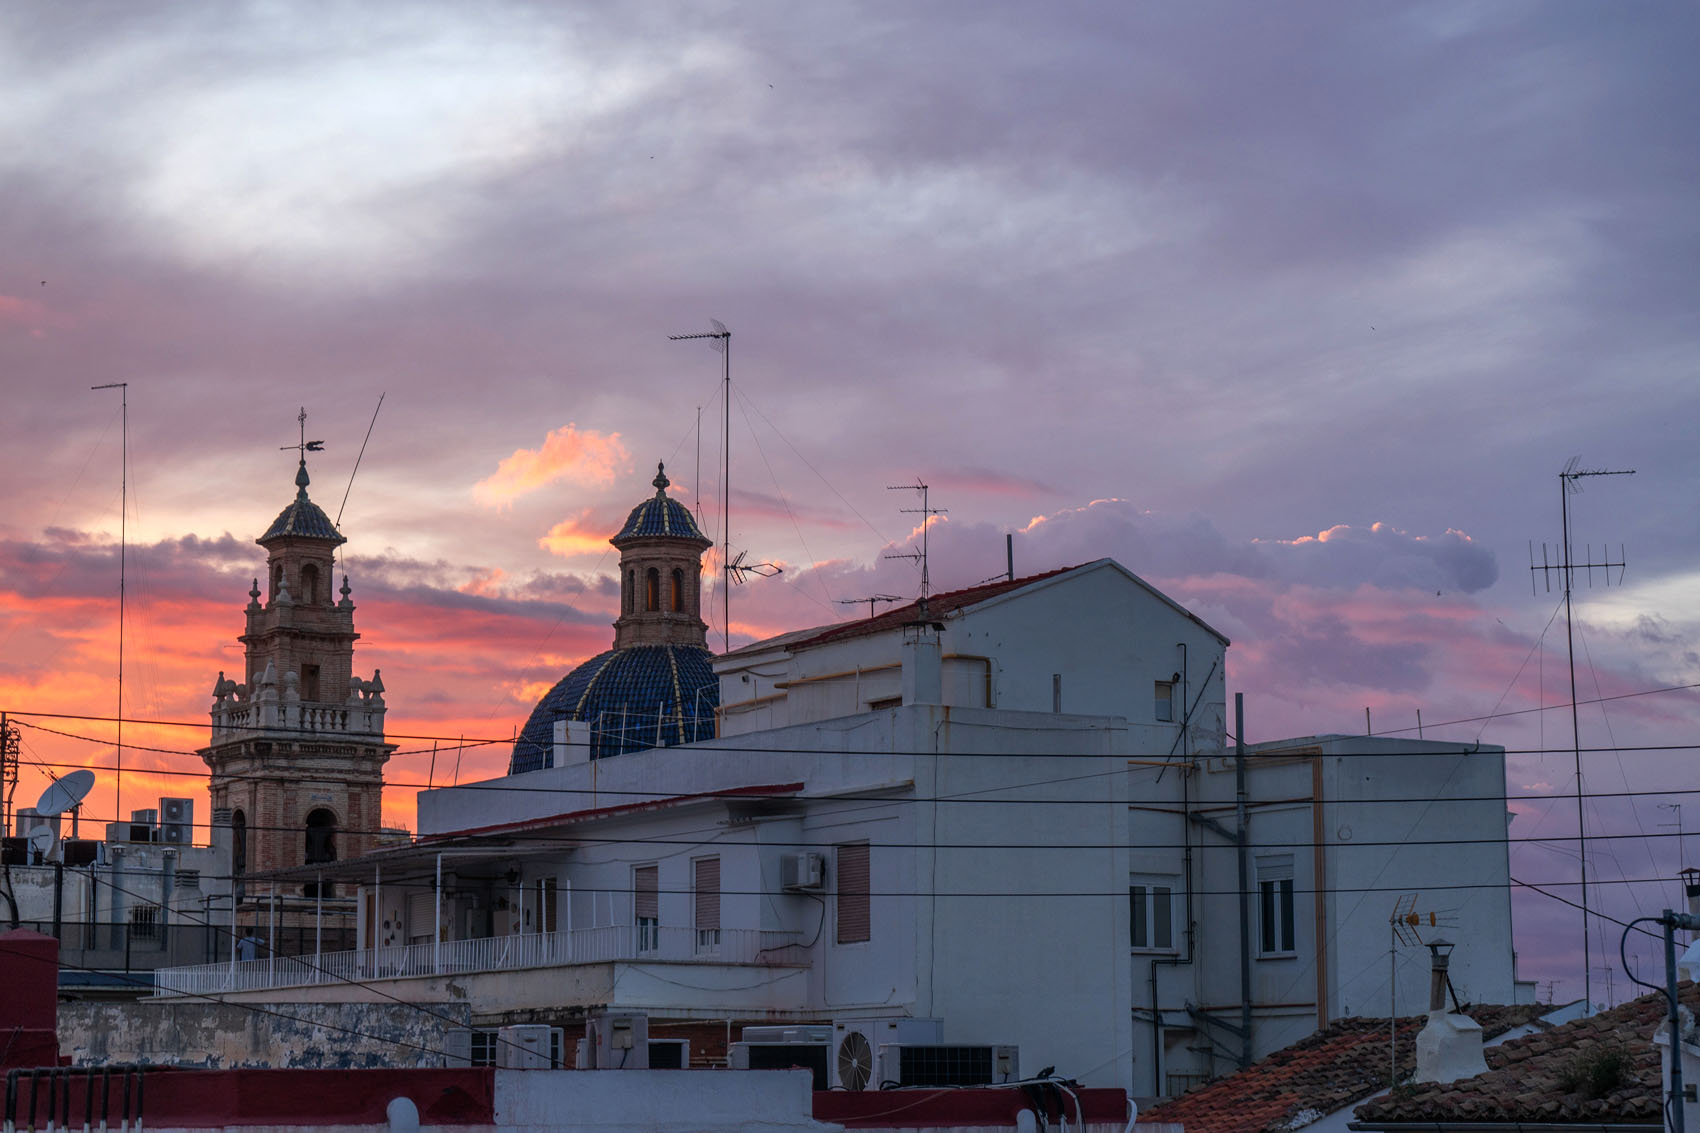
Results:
[298, 750]
[660, 573]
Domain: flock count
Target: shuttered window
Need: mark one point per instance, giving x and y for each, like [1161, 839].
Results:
[854, 923]
[705, 894]
[646, 888]
[646, 907]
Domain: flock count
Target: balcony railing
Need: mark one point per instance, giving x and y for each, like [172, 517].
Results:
[486, 954]
[356, 718]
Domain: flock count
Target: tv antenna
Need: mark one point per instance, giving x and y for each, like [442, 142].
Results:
[738, 569]
[926, 511]
[1404, 923]
[1567, 568]
[870, 600]
[721, 339]
[123, 389]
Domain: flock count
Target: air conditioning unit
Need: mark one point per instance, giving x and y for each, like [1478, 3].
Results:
[802, 872]
[788, 1033]
[177, 821]
[941, 1064]
[457, 1049]
[669, 1054]
[524, 1046]
[814, 1057]
[856, 1044]
[615, 1042]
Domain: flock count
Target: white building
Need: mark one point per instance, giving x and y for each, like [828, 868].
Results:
[1013, 810]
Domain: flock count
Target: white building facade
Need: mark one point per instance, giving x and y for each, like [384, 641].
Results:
[1013, 809]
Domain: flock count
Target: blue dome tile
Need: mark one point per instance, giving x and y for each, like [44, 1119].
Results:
[637, 698]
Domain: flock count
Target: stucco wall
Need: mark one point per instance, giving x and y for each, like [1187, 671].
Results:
[231, 1035]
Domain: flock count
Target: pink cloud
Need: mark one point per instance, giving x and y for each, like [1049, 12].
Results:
[584, 456]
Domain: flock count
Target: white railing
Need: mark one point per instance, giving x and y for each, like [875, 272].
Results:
[485, 954]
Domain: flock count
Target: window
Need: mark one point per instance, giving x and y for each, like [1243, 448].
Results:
[628, 593]
[310, 584]
[854, 923]
[646, 907]
[705, 897]
[238, 843]
[652, 590]
[678, 590]
[1165, 696]
[483, 1048]
[1151, 908]
[1275, 904]
[309, 682]
[321, 836]
[144, 922]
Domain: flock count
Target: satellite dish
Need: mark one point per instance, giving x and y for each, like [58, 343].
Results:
[65, 794]
[42, 839]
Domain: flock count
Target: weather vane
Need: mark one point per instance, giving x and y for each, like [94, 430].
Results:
[305, 446]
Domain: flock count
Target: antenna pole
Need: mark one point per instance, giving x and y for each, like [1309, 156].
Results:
[1566, 484]
[726, 493]
[723, 343]
[926, 512]
[123, 389]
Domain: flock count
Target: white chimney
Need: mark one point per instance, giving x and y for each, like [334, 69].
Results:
[1449, 1047]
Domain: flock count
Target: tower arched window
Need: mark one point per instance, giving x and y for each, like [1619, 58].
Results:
[238, 843]
[652, 590]
[321, 836]
[628, 596]
[310, 584]
[678, 590]
[277, 579]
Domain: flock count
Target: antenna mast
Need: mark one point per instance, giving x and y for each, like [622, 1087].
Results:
[123, 389]
[1566, 485]
[722, 341]
[926, 511]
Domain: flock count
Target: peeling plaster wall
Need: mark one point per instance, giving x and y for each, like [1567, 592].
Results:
[230, 1035]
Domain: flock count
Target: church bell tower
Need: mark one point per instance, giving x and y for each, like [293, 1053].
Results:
[298, 750]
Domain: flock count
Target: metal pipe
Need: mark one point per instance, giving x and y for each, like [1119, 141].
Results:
[1677, 1103]
[1245, 889]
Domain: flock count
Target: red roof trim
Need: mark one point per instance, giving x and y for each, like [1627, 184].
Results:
[937, 606]
[770, 790]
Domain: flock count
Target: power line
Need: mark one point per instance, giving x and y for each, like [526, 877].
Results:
[483, 741]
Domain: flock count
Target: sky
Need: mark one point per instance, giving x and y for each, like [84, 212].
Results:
[1297, 311]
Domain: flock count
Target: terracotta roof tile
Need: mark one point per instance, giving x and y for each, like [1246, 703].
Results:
[1535, 1078]
[1334, 1067]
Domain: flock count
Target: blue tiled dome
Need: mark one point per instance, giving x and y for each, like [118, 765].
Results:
[640, 697]
[302, 516]
[660, 515]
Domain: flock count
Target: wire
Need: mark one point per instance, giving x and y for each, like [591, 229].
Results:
[708, 747]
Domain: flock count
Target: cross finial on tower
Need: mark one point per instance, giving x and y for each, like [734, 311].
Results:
[304, 447]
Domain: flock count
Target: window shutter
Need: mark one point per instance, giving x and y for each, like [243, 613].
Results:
[647, 889]
[707, 894]
[853, 899]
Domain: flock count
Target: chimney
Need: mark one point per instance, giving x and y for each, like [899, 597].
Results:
[1449, 1047]
[923, 665]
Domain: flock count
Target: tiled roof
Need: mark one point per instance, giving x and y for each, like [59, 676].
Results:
[302, 517]
[1342, 1064]
[938, 605]
[660, 515]
[640, 697]
[1538, 1078]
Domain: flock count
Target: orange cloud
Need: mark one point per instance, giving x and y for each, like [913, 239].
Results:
[485, 585]
[575, 536]
[585, 456]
